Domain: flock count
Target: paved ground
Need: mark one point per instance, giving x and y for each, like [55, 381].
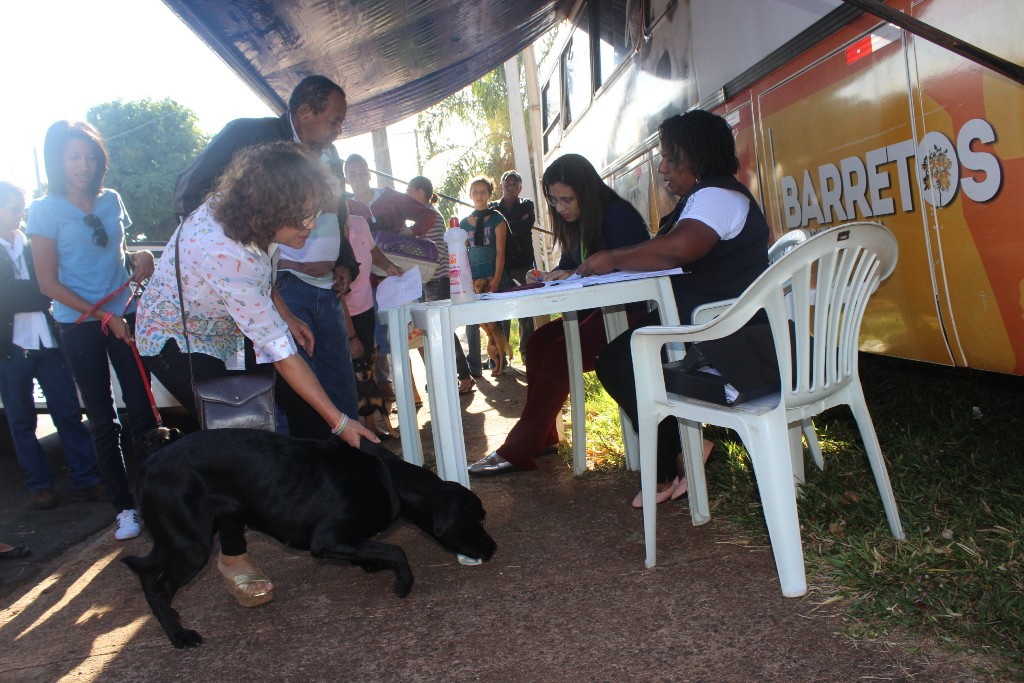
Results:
[565, 598]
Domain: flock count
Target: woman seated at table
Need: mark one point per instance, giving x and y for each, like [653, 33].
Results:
[269, 195]
[588, 217]
[717, 234]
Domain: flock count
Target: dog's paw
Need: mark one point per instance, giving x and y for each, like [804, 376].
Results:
[403, 586]
[186, 637]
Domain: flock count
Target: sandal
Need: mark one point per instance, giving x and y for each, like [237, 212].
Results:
[466, 386]
[677, 488]
[15, 553]
[237, 586]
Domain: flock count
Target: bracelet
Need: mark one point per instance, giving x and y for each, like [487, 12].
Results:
[340, 427]
[103, 322]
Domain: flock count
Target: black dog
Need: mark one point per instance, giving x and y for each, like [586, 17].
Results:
[370, 399]
[322, 496]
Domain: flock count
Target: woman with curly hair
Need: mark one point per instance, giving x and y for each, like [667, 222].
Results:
[269, 195]
[717, 234]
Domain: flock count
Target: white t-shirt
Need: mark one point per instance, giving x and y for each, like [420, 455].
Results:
[724, 211]
[31, 330]
[324, 242]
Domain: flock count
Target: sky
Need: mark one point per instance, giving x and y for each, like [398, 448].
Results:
[66, 56]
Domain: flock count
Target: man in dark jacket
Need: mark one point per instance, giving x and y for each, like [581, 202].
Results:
[521, 217]
[28, 350]
[316, 112]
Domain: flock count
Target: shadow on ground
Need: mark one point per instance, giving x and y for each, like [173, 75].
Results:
[566, 597]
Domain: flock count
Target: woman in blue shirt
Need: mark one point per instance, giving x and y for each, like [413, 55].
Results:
[588, 216]
[78, 238]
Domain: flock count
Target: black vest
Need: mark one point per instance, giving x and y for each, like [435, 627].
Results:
[731, 265]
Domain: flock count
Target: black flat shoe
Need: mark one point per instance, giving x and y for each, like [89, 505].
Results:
[491, 465]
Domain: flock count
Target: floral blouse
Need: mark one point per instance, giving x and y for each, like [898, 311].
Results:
[227, 288]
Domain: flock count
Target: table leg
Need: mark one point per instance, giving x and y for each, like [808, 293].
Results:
[577, 397]
[401, 369]
[445, 409]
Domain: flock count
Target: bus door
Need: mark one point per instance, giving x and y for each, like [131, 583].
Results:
[839, 147]
[970, 124]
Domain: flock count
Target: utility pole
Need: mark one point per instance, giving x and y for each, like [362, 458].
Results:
[382, 157]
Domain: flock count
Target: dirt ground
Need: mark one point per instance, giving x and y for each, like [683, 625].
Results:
[566, 598]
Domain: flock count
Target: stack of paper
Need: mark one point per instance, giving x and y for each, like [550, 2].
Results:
[575, 281]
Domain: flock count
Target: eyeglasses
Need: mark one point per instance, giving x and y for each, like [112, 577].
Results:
[311, 221]
[99, 235]
[560, 202]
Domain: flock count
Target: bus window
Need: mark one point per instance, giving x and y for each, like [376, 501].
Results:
[614, 43]
[576, 66]
[551, 99]
[634, 184]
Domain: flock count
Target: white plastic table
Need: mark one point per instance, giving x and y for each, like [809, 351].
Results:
[440, 319]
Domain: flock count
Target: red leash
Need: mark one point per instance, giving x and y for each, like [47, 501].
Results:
[138, 359]
[99, 304]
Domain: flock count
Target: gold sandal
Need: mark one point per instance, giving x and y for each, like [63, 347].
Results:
[237, 585]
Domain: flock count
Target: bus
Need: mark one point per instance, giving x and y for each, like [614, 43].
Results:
[838, 117]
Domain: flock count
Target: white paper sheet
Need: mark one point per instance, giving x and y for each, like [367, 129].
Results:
[397, 290]
[574, 281]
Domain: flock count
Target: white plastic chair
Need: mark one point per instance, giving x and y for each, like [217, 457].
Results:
[828, 279]
[780, 248]
[786, 243]
[710, 311]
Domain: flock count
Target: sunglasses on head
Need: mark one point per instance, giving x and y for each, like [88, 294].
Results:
[99, 235]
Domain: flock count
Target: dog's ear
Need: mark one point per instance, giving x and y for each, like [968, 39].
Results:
[446, 510]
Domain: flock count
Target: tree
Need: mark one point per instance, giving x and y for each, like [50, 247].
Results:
[150, 143]
[470, 131]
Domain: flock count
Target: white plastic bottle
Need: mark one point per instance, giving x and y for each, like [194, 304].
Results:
[459, 275]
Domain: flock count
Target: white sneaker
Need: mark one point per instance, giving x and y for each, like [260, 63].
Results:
[128, 525]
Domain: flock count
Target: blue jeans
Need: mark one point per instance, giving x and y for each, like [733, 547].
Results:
[331, 361]
[90, 353]
[473, 341]
[16, 390]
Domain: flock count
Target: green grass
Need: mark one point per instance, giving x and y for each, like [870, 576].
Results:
[953, 442]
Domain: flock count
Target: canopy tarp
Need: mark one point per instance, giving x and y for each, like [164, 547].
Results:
[393, 58]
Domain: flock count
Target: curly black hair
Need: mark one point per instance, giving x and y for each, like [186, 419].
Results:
[701, 142]
[314, 91]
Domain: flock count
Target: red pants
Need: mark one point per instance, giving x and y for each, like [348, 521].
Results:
[547, 386]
